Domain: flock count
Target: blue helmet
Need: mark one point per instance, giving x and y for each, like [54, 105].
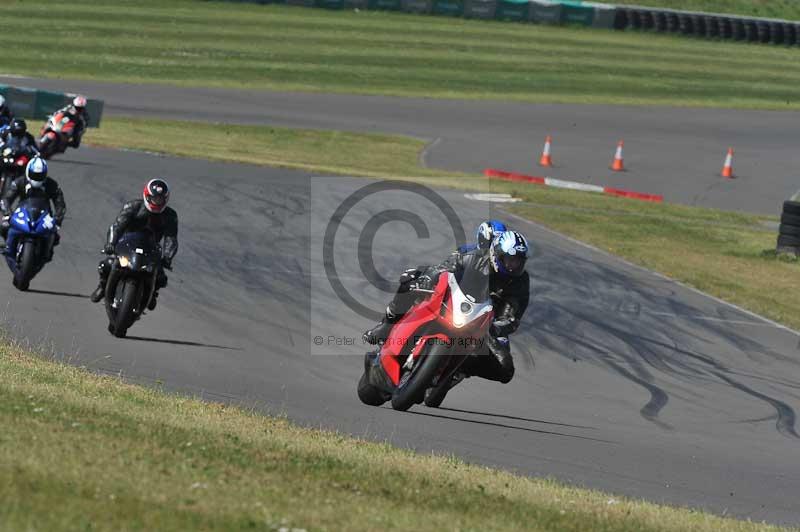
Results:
[488, 230]
[508, 253]
[36, 172]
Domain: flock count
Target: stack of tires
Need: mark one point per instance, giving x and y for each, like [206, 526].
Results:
[789, 230]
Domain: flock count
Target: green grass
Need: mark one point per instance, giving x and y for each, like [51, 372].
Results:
[785, 9]
[83, 452]
[726, 254]
[202, 43]
[369, 155]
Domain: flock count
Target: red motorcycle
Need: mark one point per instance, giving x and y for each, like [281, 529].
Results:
[427, 346]
[13, 166]
[56, 134]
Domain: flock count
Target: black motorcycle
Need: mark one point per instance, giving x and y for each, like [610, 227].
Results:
[13, 161]
[132, 281]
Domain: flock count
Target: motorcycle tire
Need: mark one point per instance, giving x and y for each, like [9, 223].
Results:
[125, 313]
[788, 241]
[412, 391]
[26, 267]
[789, 230]
[434, 396]
[369, 394]
[790, 219]
[791, 207]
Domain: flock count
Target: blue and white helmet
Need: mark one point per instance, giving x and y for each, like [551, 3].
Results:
[508, 253]
[488, 230]
[36, 172]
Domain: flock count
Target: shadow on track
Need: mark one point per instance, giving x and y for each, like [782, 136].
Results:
[529, 420]
[504, 426]
[182, 342]
[62, 294]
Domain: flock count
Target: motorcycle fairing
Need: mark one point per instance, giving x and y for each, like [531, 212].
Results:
[452, 315]
[22, 221]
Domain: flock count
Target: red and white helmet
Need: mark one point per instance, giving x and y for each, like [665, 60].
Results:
[156, 195]
[79, 102]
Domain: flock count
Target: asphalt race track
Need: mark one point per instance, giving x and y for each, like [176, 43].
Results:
[625, 381]
[671, 151]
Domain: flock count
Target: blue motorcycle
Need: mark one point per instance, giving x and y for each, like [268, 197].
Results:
[29, 245]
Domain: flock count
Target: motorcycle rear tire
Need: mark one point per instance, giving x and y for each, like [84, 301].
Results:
[26, 267]
[125, 313]
[413, 391]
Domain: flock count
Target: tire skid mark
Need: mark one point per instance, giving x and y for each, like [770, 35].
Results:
[786, 415]
[658, 397]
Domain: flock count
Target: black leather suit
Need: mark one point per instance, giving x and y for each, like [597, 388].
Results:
[135, 217]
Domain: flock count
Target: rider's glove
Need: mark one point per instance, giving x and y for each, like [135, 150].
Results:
[108, 249]
[424, 282]
[502, 327]
[409, 275]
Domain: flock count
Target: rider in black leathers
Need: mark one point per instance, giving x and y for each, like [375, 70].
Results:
[17, 136]
[510, 291]
[35, 183]
[149, 213]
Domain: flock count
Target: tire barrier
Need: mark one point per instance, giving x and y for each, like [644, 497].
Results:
[789, 229]
[39, 104]
[708, 25]
[583, 13]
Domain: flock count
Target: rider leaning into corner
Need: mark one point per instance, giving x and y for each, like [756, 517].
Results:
[77, 112]
[147, 214]
[509, 286]
[34, 184]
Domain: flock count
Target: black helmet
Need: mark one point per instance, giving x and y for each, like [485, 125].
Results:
[18, 127]
[156, 195]
[508, 253]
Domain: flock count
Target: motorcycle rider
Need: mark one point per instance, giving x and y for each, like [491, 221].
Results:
[76, 111]
[485, 235]
[34, 184]
[509, 286]
[16, 136]
[6, 115]
[149, 213]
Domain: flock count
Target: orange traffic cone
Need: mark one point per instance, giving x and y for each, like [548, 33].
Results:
[727, 168]
[546, 160]
[617, 165]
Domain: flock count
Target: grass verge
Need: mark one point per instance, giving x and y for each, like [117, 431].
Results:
[83, 452]
[199, 43]
[369, 155]
[726, 254]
